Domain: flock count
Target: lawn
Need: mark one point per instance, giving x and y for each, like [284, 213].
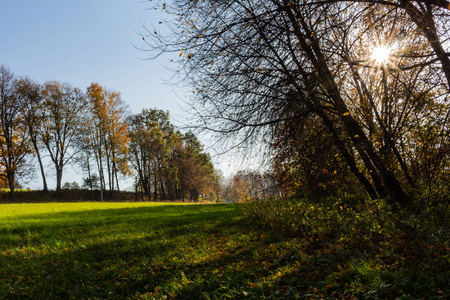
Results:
[163, 251]
[89, 250]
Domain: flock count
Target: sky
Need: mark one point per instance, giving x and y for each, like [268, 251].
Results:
[85, 41]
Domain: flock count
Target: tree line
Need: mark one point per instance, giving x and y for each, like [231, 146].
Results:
[303, 77]
[94, 130]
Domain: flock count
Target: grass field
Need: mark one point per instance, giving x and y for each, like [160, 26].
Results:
[88, 250]
[164, 251]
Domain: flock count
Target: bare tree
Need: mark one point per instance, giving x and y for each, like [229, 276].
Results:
[62, 111]
[256, 66]
[31, 95]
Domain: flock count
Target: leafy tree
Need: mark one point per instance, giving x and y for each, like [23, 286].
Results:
[163, 148]
[146, 141]
[216, 187]
[106, 134]
[195, 170]
[168, 165]
[14, 138]
[74, 185]
[246, 186]
[71, 186]
[307, 162]
[91, 182]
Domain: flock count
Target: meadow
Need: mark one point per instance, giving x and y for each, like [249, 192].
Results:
[99, 250]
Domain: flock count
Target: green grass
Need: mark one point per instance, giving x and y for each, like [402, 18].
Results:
[75, 250]
[164, 251]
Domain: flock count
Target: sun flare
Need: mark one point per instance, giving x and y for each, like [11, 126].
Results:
[380, 54]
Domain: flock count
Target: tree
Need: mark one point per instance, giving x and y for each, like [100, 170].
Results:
[167, 164]
[432, 18]
[71, 186]
[216, 187]
[31, 94]
[14, 139]
[258, 66]
[75, 186]
[91, 182]
[307, 163]
[163, 145]
[246, 186]
[62, 110]
[146, 141]
[196, 172]
[106, 134]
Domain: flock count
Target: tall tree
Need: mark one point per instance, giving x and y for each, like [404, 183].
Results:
[14, 139]
[108, 134]
[257, 65]
[245, 186]
[195, 169]
[31, 93]
[162, 149]
[62, 110]
[146, 141]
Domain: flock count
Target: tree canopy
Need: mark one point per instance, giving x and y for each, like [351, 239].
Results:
[369, 77]
[96, 132]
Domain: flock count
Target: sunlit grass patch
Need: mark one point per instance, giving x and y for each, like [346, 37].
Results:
[93, 249]
[7, 190]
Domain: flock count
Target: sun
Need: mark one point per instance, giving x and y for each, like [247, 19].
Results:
[380, 54]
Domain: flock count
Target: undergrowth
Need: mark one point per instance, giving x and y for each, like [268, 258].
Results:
[372, 250]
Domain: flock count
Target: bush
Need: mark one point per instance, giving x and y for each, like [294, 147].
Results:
[329, 217]
[389, 252]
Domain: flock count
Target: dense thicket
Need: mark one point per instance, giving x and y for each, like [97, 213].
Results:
[344, 91]
[95, 131]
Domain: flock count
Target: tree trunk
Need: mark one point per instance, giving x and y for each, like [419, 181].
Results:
[348, 157]
[156, 189]
[117, 178]
[59, 173]
[110, 179]
[90, 178]
[41, 166]
[163, 192]
[11, 182]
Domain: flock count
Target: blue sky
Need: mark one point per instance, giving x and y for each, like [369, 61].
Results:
[86, 41]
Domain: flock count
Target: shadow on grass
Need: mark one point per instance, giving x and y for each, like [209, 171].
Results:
[186, 252]
[90, 253]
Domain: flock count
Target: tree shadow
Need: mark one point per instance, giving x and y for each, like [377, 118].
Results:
[185, 252]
